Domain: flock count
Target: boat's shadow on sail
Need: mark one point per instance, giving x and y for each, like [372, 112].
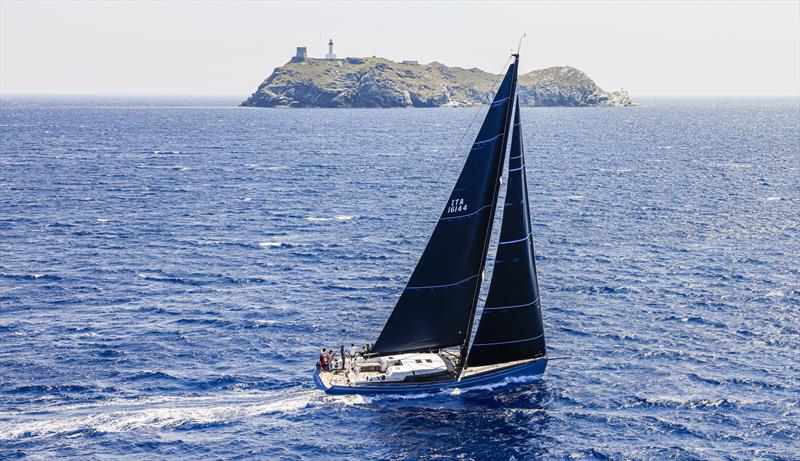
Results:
[457, 425]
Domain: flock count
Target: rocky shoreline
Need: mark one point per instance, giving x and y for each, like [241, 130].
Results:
[379, 82]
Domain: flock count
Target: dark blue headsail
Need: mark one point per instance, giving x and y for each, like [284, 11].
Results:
[438, 303]
[511, 323]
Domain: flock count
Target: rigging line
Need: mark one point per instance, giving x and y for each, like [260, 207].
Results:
[402, 236]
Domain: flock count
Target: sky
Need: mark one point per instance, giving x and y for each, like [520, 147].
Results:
[228, 48]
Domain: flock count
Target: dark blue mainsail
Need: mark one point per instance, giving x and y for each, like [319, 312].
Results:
[438, 303]
[511, 323]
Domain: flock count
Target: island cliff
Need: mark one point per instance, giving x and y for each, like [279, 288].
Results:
[379, 82]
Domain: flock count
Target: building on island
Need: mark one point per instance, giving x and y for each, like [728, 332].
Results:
[330, 54]
[300, 55]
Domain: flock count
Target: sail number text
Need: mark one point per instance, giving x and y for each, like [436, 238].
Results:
[456, 205]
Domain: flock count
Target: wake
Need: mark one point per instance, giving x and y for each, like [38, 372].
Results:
[160, 413]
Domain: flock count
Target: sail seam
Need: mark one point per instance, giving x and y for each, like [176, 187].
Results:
[465, 215]
[512, 307]
[500, 101]
[486, 141]
[517, 240]
[514, 158]
[443, 286]
[508, 342]
[516, 169]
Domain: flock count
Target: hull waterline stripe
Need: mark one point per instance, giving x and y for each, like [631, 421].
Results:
[466, 215]
[512, 307]
[515, 241]
[508, 342]
[443, 286]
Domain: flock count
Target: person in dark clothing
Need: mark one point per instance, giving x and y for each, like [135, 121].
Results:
[341, 350]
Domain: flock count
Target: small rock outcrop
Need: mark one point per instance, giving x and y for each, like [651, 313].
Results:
[379, 82]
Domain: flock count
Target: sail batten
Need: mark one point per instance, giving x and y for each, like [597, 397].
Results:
[436, 308]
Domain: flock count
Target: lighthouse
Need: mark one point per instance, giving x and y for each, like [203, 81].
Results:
[330, 54]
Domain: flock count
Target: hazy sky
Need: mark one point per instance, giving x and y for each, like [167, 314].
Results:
[182, 47]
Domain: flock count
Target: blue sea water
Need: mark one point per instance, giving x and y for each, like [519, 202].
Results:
[169, 268]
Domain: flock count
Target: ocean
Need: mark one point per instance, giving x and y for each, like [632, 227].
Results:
[169, 268]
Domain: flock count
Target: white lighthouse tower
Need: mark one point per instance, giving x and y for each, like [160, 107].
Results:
[330, 54]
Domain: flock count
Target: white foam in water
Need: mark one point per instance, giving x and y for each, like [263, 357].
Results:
[341, 217]
[159, 413]
[269, 244]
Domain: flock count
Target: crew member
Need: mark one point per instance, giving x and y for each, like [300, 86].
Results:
[330, 358]
[341, 352]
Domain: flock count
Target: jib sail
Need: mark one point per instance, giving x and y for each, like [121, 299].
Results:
[511, 327]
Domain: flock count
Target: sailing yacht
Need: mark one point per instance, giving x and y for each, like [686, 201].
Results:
[425, 345]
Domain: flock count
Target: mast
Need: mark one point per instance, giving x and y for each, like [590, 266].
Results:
[464, 352]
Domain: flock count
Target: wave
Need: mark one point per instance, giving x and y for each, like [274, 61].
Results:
[688, 402]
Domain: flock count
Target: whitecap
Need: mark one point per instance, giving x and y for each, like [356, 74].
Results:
[340, 217]
[264, 322]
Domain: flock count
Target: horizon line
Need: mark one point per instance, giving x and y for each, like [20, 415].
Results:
[239, 95]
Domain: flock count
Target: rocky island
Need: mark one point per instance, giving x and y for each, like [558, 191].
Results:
[379, 82]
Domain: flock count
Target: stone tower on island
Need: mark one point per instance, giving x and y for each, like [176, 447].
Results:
[300, 56]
